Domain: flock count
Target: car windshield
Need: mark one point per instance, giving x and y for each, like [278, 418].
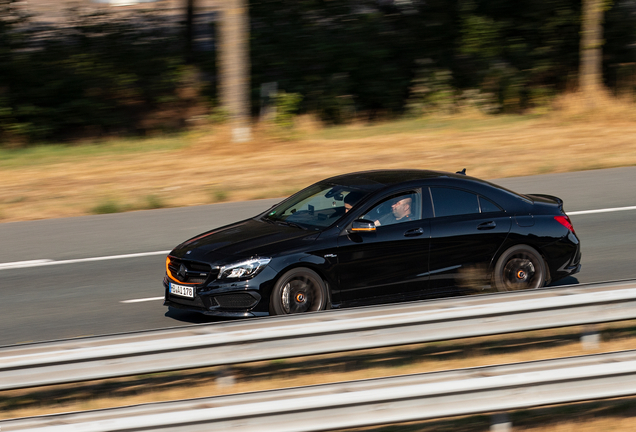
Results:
[316, 207]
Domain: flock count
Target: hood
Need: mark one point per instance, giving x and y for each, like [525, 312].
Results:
[247, 238]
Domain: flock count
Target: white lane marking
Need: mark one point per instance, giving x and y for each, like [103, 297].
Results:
[23, 264]
[47, 262]
[141, 300]
[607, 210]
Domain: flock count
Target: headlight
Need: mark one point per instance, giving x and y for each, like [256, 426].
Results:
[243, 269]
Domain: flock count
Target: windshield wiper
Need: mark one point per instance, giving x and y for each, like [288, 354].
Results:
[268, 220]
[291, 224]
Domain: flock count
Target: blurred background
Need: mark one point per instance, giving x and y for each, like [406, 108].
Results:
[99, 97]
[83, 69]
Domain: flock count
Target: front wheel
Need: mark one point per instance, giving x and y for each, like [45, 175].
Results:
[298, 290]
[519, 267]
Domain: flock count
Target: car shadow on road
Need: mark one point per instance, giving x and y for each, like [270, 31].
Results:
[570, 280]
[193, 317]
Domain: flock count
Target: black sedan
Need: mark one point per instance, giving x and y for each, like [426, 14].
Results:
[375, 237]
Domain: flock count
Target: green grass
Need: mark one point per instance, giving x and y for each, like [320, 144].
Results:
[108, 206]
[219, 195]
[43, 154]
[111, 205]
[16, 199]
[153, 202]
[414, 125]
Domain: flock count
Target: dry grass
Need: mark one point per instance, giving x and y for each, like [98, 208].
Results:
[204, 167]
[616, 415]
[316, 370]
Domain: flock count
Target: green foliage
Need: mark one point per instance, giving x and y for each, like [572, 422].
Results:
[106, 74]
[475, 99]
[432, 92]
[540, 98]
[154, 202]
[108, 206]
[513, 48]
[286, 109]
[335, 56]
[95, 75]
[363, 58]
[481, 36]
[218, 195]
[219, 115]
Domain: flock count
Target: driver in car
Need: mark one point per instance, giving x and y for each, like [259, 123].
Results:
[400, 212]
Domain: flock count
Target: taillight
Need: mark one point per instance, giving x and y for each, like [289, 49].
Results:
[565, 221]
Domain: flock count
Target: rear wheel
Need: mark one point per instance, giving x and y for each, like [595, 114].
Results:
[519, 267]
[298, 290]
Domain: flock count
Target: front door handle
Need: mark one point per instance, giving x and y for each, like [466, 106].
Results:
[414, 232]
[487, 225]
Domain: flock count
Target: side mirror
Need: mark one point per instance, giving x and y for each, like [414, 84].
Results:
[360, 225]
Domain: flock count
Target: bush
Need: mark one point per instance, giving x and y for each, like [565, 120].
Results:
[107, 207]
[286, 109]
[432, 92]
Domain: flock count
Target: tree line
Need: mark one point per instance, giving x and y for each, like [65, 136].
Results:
[98, 74]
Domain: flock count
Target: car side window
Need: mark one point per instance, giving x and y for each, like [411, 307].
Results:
[396, 209]
[488, 206]
[453, 202]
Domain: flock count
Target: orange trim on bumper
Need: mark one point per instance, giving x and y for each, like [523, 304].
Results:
[169, 273]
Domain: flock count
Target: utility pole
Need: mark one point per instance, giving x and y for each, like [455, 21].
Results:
[234, 66]
[233, 34]
[591, 62]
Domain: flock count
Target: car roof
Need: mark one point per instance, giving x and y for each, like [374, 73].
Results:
[384, 179]
[378, 178]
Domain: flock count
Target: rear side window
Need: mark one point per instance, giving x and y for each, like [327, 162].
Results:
[488, 206]
[453, 202]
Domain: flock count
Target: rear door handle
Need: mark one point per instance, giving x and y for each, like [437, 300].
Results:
[414, 232]
[486, 225]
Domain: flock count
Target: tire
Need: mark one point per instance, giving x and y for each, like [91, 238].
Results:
[298, 290]
[520, 267]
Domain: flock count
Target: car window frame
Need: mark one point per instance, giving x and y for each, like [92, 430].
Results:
[265, 216]
[477, 194]
[481, 211]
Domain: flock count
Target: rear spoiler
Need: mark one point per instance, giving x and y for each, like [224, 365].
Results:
[547, 199]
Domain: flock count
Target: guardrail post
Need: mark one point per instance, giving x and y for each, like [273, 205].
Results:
[225, 378]
[500, 422]
[590, 338]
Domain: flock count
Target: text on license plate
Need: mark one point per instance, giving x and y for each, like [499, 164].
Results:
[180, 290]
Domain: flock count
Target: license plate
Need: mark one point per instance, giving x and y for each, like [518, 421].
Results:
[180, 290]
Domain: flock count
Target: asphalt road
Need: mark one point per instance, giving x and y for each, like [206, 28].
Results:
[78, 295]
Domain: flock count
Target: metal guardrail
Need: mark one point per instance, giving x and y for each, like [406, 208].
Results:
[318, 333]
[367, 402]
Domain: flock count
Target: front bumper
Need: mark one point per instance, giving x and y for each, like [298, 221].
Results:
[218, 313]
[249, 298]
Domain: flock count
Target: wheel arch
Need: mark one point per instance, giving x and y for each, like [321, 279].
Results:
[301, 264]
[503, 250]
[519, 240]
